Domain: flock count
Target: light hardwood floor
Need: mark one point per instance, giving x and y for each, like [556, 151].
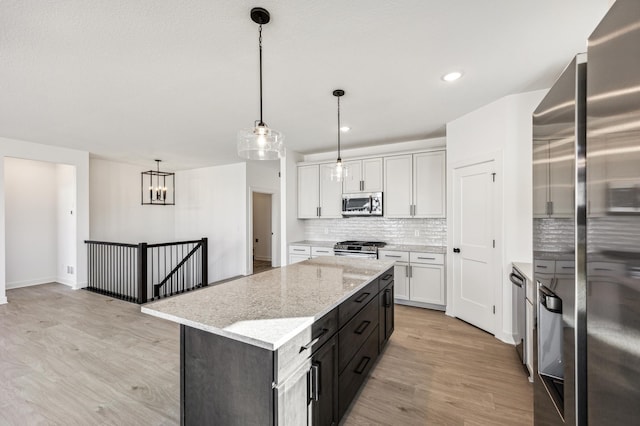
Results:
[75, 357]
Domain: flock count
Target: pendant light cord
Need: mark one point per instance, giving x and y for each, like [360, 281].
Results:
[339, 159]
[260, 44]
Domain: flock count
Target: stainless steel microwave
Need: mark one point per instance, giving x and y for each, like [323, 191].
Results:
[362, 204]
[623, 197]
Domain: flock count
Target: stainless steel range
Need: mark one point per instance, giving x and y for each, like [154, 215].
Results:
[362, 249]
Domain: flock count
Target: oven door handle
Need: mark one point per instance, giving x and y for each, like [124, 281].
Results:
[516, 279]
[550, 301]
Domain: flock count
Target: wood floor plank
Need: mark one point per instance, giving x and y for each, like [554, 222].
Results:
[75, 357]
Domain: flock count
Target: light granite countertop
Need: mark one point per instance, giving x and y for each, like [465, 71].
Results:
[416, 248]
[312, 243]
[269, 308]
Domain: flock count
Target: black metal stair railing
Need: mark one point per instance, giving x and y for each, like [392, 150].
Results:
[143, 272]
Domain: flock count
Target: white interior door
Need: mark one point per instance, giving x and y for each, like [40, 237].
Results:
[473, 266]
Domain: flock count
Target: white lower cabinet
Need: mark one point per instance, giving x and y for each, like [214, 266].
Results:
[427, 284]
[419, 278]
[299, 253]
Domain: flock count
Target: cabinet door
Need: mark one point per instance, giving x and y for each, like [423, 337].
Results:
[561, 178]
[386, 312]
[401, 281]
[427, 284]
[292, 398]
[308, 184]
[372, 175]
[429, 184]
[330, 194]
[397, 186]
[352, 182]
[540, 178]
[323, 385]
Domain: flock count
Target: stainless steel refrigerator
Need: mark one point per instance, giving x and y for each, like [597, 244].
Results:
[586, 165]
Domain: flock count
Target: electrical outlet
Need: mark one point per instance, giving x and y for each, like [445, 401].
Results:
[69, 269]
[417, 233]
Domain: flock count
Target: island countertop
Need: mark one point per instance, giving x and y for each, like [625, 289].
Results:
[269, 308]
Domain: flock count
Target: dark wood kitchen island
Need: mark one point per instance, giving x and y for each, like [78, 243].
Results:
[290, 346]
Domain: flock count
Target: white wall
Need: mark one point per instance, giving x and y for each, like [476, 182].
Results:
[504, 128]
[263, 177]
[78, 159]
[31, 222]
[66, 226]
[292, 227]
[117, 214]
[212, 202]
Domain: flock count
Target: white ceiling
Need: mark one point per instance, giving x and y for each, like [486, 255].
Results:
[134, 80]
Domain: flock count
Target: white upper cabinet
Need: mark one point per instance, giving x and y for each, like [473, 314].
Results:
[397, 197]
[429, 184]
[364, 176]
[414, 185]
[553, 179]
[308, 194]
[318, 196]
[330, 193]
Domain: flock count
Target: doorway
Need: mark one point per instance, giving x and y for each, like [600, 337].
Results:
[262, 241]
[474, 263]
[40, 224]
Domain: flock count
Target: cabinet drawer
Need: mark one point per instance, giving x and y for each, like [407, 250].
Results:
[354, 334]
[298, 349]
[565, 267]
[300, 250]
[350, 307]
[398, 256]
[321, 251]
[356, 371]
[385, 279]
[433, 258]
[544, 266]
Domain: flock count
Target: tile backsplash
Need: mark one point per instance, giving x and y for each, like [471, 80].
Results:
[432, 232]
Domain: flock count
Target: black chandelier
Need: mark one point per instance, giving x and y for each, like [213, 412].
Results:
[158, 188]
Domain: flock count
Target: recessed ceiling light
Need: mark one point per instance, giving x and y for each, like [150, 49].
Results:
[345, 128]
[452, 76]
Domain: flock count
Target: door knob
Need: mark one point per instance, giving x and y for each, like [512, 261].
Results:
[456, 250]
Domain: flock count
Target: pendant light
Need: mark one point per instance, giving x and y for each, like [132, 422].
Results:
[158, 187]
[339, 172]
[260, 142]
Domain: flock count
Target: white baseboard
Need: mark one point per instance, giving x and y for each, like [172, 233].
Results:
[28, 283]
[66, 282]
[80, 286]
[3, 300]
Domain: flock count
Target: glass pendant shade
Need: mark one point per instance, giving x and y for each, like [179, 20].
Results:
[339, 172]
[260, 143]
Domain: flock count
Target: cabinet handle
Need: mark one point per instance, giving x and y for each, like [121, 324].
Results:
[386, 277]
[387, 299]
[322, 251]
[362, 297]
[406, 271]
[541, 266]
[314, 341]
[299, 250]
[393, 255]
[410, 271]
[363, 364]
[362, 327]
[426, 258]
[319, 211]
[314, 382]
